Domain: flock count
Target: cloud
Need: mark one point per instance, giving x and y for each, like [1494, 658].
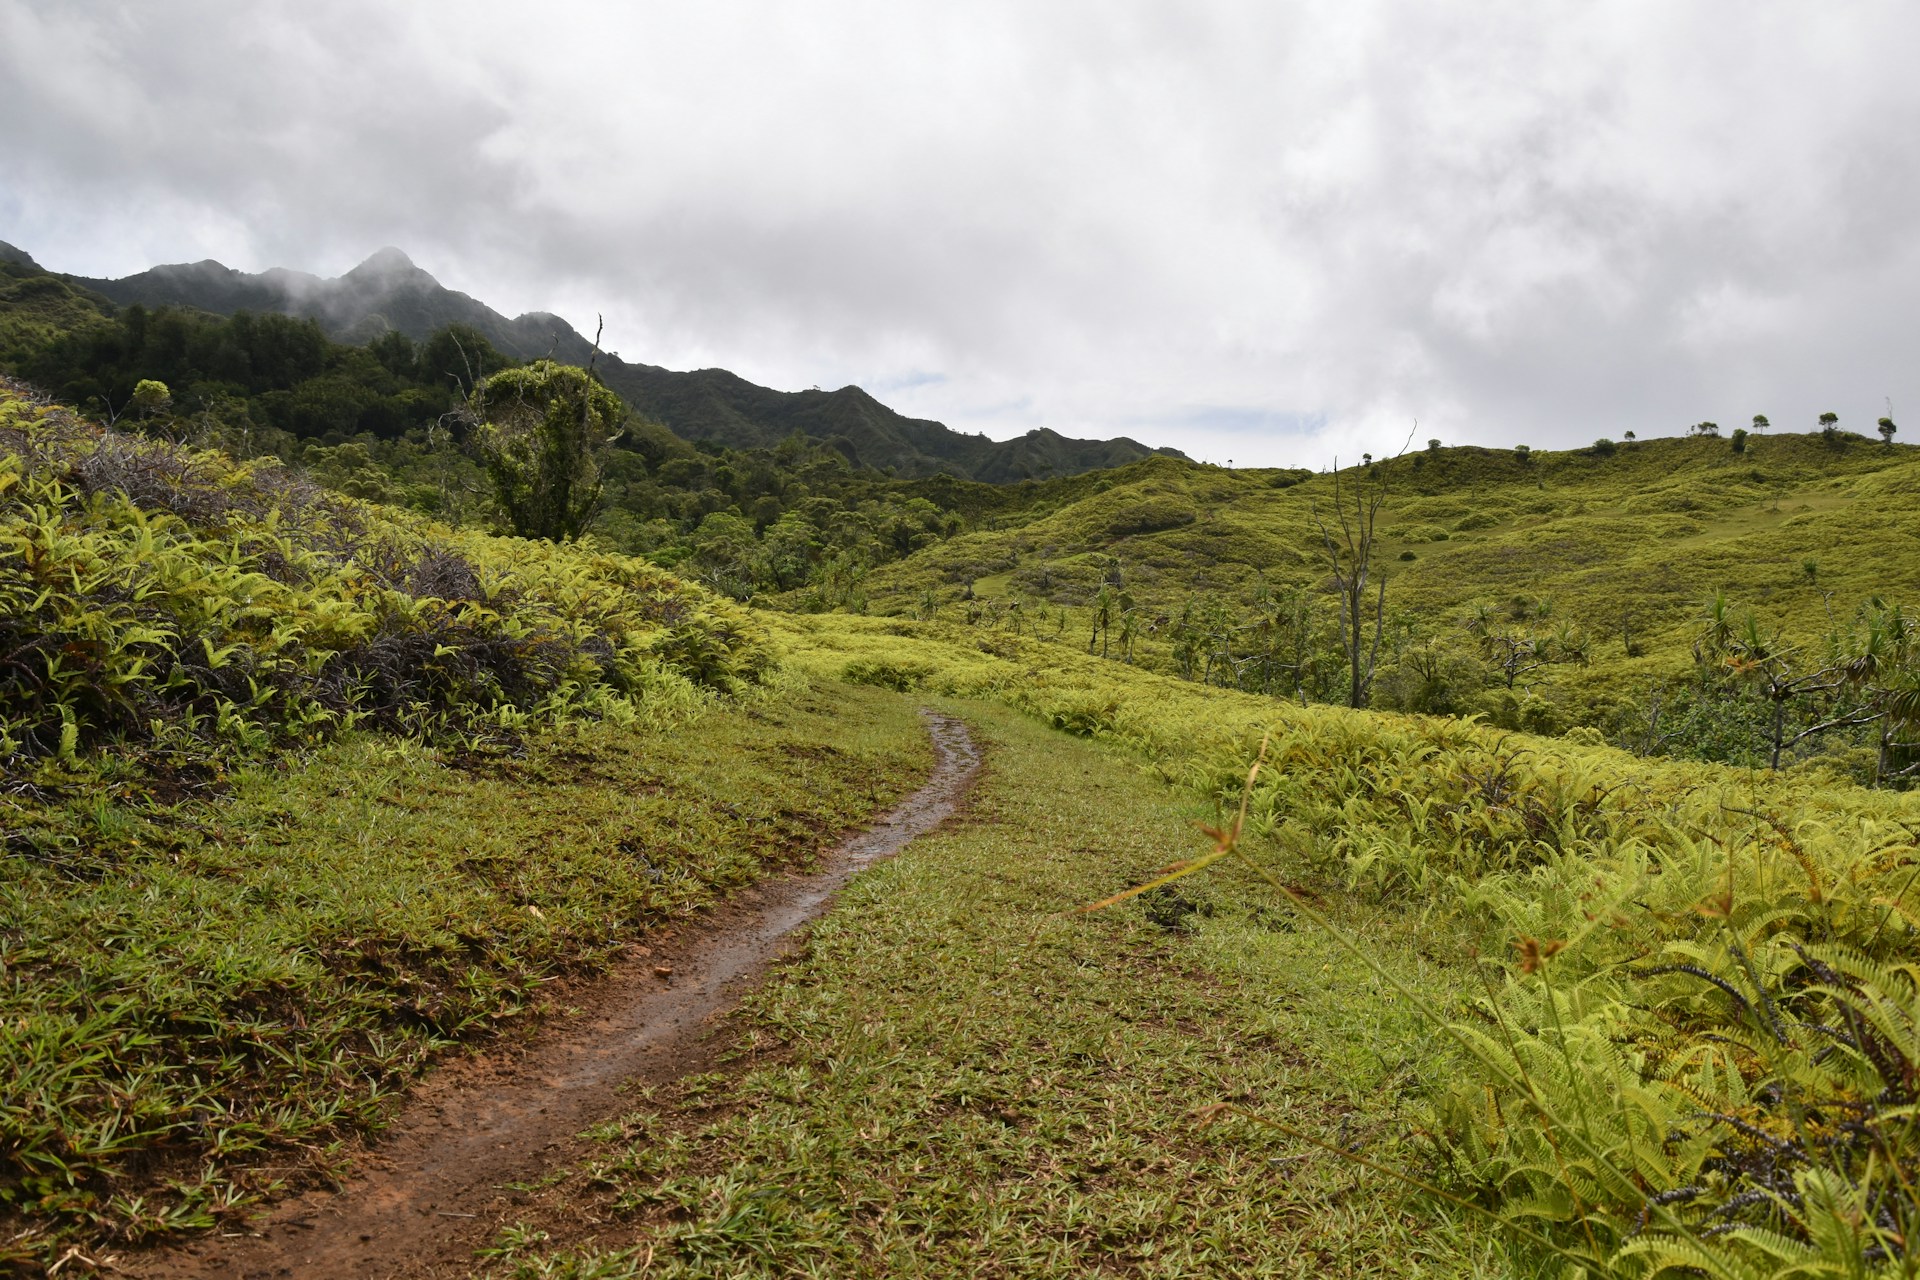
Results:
[1508, 221]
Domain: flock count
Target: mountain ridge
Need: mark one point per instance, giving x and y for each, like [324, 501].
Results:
[388, 291]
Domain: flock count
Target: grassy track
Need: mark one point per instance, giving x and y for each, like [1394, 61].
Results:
[960, 1080]
[195, 1001]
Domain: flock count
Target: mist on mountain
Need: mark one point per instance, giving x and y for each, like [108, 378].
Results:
[389, 293]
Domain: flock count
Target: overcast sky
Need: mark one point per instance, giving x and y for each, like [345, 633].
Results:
[1273, 232]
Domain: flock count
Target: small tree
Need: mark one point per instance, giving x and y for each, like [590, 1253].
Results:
[1106, 603]
[1760, 422]
[151, 396]
[1801, 704]
[1706, 428]
[1739, 439]
[1830, 427]
[1887, 429]
[542, 430]
[1350, 557]
[1513, 655]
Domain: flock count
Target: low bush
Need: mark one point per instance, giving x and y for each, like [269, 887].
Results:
[1151, 516]
[902, 677]
[164, 599]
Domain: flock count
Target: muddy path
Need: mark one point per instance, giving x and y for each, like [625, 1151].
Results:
[435, 1187]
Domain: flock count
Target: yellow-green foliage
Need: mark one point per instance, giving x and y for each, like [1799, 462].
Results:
[194, 995]
[1694, 1035]
[1616, 552]
[153, 593]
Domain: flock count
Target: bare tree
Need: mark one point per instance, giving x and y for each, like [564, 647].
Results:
[1349, 547]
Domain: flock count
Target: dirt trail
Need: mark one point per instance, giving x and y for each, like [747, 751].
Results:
[432, 1190]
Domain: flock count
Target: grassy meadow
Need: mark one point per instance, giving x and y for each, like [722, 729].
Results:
[1456, 1002]
[300, 790]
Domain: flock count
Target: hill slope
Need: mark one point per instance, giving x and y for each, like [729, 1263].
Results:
[220, 967]
[1600, 565]
[388, 291]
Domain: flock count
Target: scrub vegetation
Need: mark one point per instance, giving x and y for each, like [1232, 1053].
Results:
[1551, 910]
[1666, 594]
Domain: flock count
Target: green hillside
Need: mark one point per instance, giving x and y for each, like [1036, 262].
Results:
[301, 791]
[1569, 587]
[712, 404]
[37, 307]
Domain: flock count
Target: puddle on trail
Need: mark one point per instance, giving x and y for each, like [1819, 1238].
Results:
[434, 1188]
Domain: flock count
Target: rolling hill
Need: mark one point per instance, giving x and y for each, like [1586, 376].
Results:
[1601, 564]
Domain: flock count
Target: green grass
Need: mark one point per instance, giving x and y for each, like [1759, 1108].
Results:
[962, 1078]
[1629, 545]
[1683, 994]
[193, 994]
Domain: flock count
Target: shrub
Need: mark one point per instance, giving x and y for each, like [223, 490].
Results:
[902, 677]
[153, 596]
[542, 429]
[1151, 516]
[1085, 717]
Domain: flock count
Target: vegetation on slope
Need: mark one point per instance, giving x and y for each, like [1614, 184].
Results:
[388, 294]
[389, 422]
[163, 599]
[295, 789]
[1683, 998]
[1678, 1002]
[36, 308]
[1547, 592]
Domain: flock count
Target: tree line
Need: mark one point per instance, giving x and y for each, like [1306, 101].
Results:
[453, 427]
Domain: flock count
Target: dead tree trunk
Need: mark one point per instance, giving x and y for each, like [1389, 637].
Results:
[1349, 547]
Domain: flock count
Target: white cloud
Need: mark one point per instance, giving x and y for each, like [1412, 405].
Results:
[1258, 231]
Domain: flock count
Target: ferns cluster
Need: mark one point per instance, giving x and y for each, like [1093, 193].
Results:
[1704, 1051]
[171, 601]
